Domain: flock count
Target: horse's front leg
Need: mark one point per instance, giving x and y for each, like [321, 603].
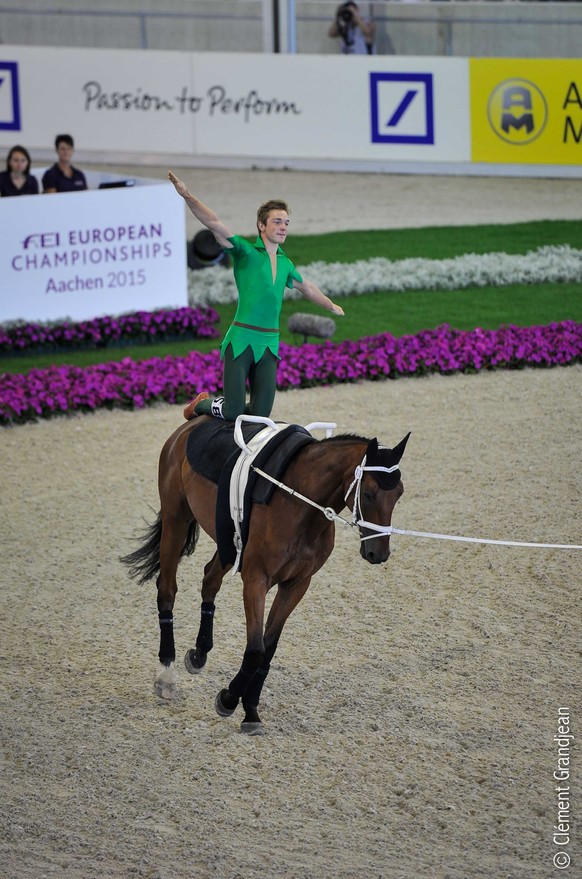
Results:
[288, 596]
[254, 595]
[195, 659]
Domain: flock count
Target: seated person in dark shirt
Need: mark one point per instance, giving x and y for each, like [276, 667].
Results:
[17, 179]
[63, 177]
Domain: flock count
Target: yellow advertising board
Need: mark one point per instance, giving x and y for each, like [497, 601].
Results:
[526, 111]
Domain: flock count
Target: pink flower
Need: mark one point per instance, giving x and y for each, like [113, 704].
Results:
[128, 384]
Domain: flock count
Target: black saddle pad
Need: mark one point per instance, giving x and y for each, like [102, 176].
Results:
[212, 443]
[212, 452]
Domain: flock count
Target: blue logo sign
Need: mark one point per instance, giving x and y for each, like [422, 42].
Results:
[402, 108]
[9, 96]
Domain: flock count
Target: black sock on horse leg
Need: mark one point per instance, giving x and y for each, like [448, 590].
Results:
[252, 695]
[204, 642]
[251, 662]
[167, 652]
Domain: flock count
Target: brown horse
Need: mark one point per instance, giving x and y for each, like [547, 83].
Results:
[289, 539]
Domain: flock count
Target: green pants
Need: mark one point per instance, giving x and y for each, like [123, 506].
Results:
[262, 379]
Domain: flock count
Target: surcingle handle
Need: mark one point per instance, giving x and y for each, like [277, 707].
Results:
[252, 419]
[328, 426]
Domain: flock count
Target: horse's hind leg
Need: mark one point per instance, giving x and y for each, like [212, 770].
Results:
[177, 532]
[195, 659]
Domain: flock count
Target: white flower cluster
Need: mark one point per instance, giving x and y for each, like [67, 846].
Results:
[552, 264]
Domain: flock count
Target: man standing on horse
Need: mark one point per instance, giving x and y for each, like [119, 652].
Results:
[262, 272]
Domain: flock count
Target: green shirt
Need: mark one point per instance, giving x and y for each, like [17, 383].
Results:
[259, 297]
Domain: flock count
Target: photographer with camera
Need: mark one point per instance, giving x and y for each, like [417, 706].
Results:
[355, 32]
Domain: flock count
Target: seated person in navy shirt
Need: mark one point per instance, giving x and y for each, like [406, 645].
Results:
[17, 179]
[63, 177]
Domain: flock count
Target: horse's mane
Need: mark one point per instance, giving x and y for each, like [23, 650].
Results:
[346, 437]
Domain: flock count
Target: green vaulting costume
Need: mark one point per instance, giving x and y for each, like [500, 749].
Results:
[250, 349]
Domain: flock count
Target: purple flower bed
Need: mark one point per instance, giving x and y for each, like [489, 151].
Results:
[127, 384]
[139, 326]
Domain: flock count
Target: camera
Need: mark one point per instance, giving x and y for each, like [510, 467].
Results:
[345, 14]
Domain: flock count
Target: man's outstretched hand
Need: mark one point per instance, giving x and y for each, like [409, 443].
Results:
[179, 185]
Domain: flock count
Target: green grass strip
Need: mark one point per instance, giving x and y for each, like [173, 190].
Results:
[440, 242]
[392, 312]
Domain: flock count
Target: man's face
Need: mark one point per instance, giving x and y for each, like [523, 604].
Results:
[64, 152]
[276, 228]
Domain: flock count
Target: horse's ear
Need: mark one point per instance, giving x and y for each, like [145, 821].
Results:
[398, 450]
[372, 450]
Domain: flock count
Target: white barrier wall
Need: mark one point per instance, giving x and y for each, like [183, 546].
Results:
[370, 113]
[249, 105]
[86, 254]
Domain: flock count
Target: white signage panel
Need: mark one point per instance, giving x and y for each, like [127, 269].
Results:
[377, 108]
[87, 254]
[108, 99]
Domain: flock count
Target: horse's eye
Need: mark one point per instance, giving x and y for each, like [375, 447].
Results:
[368, 496]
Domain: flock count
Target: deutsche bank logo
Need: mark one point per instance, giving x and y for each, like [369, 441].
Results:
[402, 108]
[9, 96]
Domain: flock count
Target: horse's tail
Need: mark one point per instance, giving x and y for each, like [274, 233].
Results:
[144, 562]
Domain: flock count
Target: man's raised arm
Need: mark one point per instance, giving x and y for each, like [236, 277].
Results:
[203, 213]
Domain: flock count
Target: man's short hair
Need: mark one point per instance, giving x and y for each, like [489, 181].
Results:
[64, 138]
[275, 204]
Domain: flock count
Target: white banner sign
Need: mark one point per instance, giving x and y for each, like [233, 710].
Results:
[87, 254]
[377, 108]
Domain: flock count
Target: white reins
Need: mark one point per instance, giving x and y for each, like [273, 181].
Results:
[358, 522]
[456, 537]
[329, 512]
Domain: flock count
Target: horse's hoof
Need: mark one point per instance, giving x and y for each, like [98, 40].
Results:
[221, 707]
[166, 682]
[194, 663]
[164, 691]
[252, 728]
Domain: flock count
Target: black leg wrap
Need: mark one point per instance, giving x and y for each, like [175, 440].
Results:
[252, 695]
[167, 652]
[251, 662]
[204, 641]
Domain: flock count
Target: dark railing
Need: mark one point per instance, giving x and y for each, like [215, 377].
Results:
[140, 17]
[444, 22]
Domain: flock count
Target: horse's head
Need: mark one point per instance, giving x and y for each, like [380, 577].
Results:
[379, 488]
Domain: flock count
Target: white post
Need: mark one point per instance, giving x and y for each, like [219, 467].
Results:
[291, 27]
